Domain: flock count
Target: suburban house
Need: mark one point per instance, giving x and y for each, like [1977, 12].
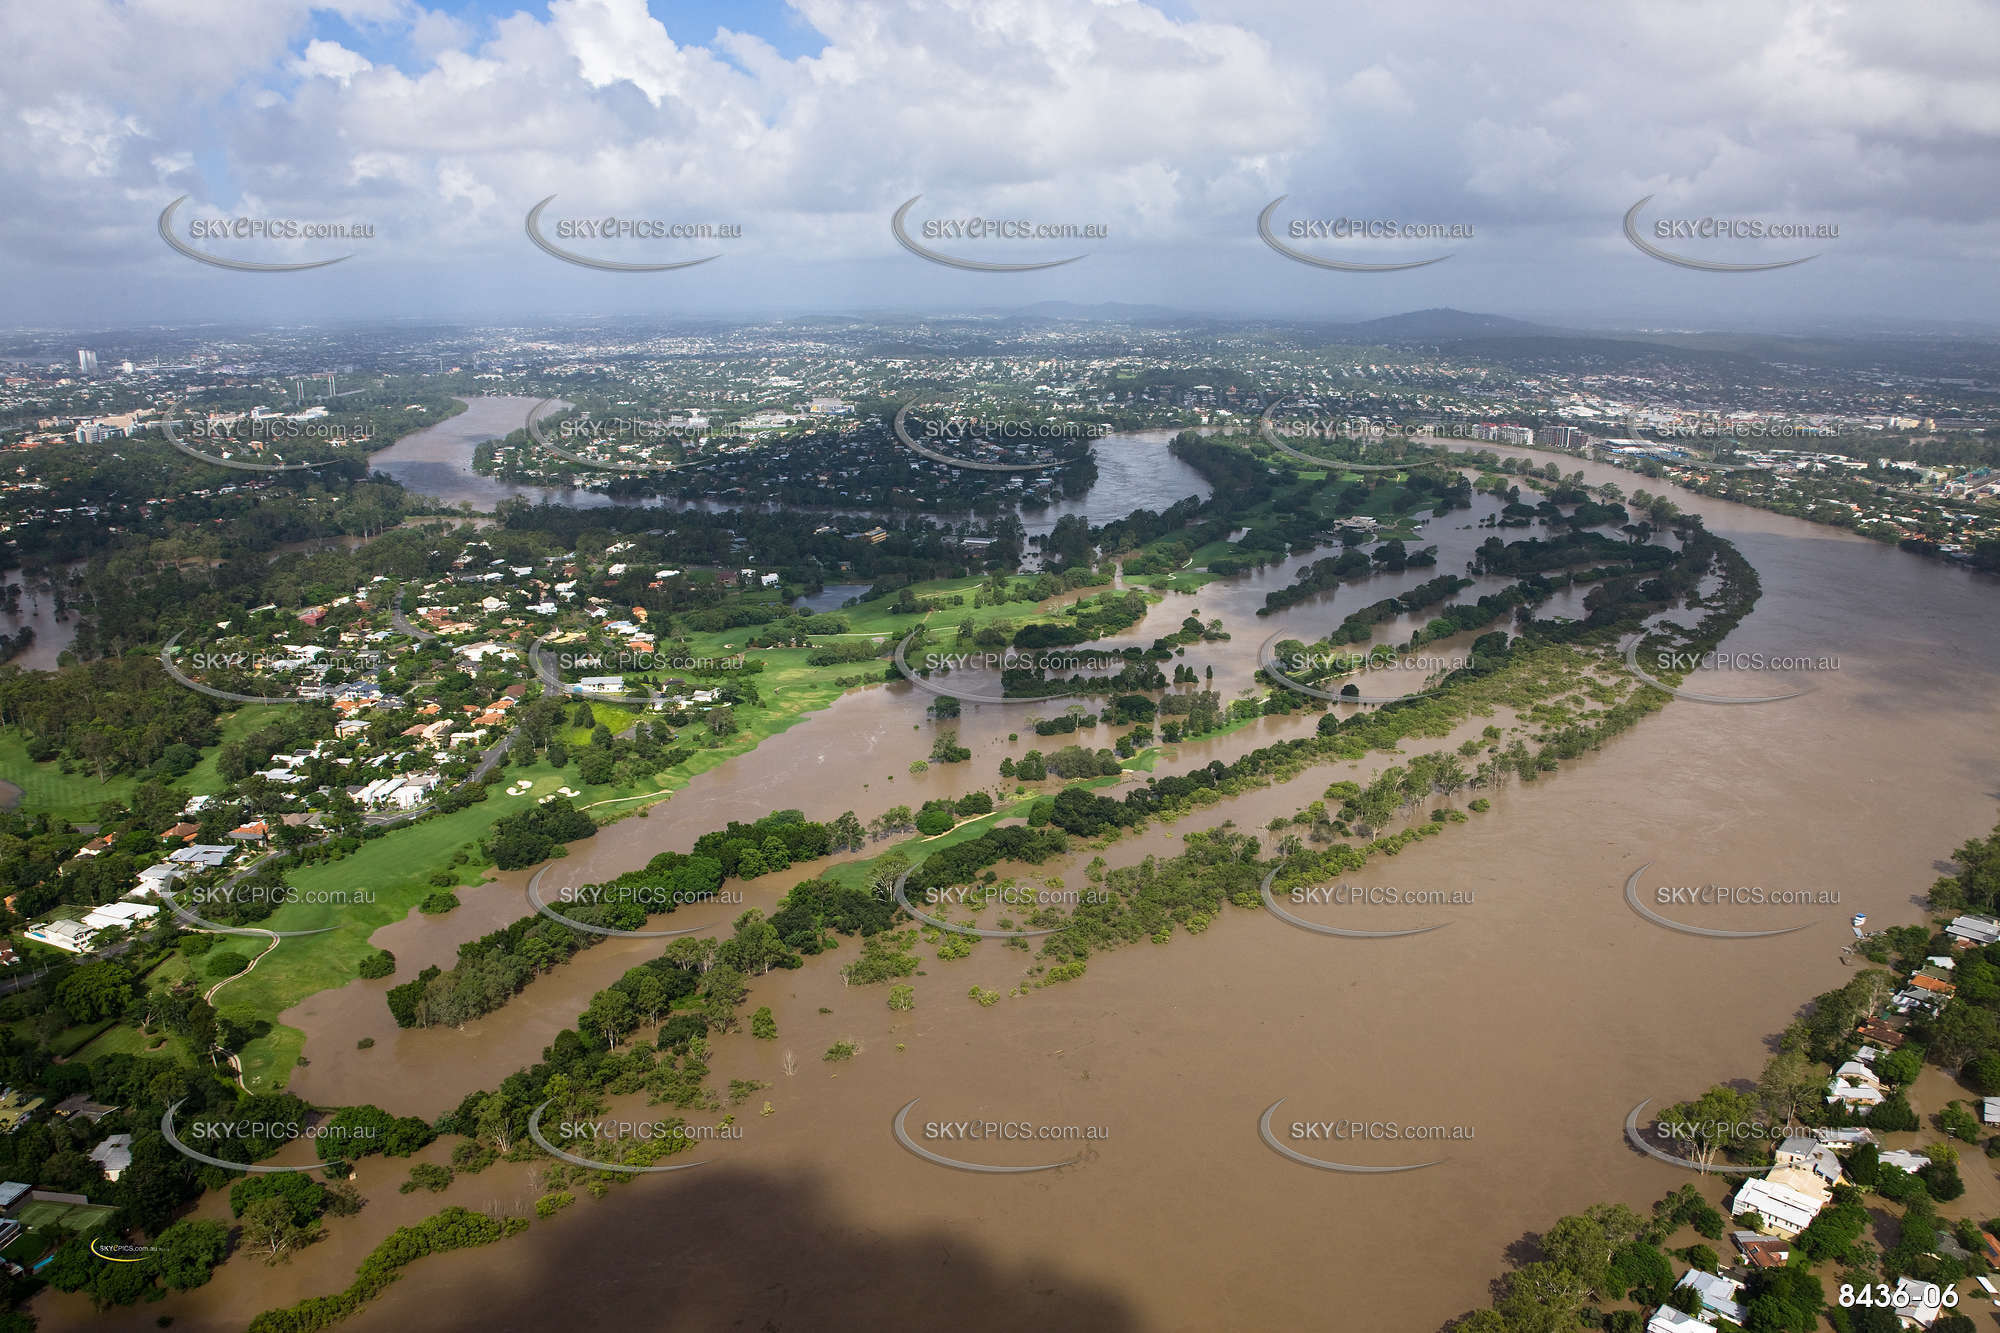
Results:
[113, 1156]
[1917, 1304]
[157, 877]
[69, 936]
[1934, 981]
[1718, 1294]
[1974, 930]
[1811, 1156]
[1785, 1209]
[1877, 1033]
[1855, 1084]
[1762, 1251]
[205, 855]
[76, 1104]
[1848, 1136]
[1667, 1319]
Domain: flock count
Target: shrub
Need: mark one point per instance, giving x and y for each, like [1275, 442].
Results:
[225, 964]
[471, 1158]
[762, 1025]
[933, 822]
[840, 1051]
[986, 998]
[551, 1204]
[437, 904]
[378, 964]
[426, 1176]
[902, 998]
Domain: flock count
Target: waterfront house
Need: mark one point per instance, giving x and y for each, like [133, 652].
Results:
[1974, 930]
[1667, 1319]
[1784, 1209]
[1718, 1294]
[1855, 1084]
[1905, 1160]
[1762, 1251]
[1917, 1304]
[1810, 1155]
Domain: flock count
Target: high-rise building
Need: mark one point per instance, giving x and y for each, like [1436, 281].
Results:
[86, 361]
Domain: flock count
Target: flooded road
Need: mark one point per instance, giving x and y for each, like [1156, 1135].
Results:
[1535, 1020]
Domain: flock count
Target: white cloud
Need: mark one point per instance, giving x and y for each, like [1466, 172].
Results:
[1173, 131]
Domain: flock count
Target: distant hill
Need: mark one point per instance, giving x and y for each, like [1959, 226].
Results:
[1445, 323]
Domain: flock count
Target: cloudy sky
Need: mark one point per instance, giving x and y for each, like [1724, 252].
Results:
[1170, 126]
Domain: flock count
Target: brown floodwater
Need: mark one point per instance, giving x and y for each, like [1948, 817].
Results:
[1535, 1020]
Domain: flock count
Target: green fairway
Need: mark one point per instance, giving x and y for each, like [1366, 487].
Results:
[47, 789]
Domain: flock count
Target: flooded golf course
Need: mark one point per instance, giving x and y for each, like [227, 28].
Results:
[1529, 1025]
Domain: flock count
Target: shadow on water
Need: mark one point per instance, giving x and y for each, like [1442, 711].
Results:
[736, 1249]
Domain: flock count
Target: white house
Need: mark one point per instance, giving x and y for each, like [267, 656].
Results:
[113, 1155]
[206, 855]
[1855, 1084]
[1917, 1304]
[1718, 1294]
[156, 877]
[1786, 1211]
[69, 936]
[119, 915]
[1667, 1319]
[1850, 1137]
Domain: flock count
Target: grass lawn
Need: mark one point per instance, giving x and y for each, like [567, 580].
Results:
[125, 1039]
[616, 717]
[46, 789]
[76, 796]
[395, 872]
[202, 779]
